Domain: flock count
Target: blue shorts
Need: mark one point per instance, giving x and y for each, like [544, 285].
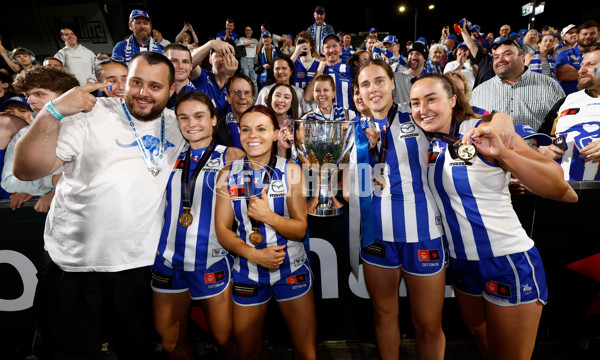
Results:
[508, 280]
[202, 284]
[421, 258]
[247, 292]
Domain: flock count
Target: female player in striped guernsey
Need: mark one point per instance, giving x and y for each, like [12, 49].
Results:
[494, 266]
[327, 107]
[263, 194]
[190, 262]
[407, 227]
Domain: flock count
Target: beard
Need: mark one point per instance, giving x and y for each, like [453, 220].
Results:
[142, 35]
[586, 84]
[146, 114]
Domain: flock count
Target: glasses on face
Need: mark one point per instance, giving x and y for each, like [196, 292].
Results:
[238, 92]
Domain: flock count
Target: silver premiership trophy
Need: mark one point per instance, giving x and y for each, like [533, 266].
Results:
[321, 146]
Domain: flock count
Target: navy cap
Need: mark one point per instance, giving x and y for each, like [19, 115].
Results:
[522, 32]
[372, 30]
[337, 38]
[265, 34]
[513, 35]
[320, 9]
[452, 37]
[461, 45]
[12, 100]
[138, 13]
[525, 131]
[390, 39]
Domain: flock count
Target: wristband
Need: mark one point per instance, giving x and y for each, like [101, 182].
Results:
[52, 110]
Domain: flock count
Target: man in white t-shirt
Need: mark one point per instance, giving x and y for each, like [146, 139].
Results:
[104, 224]
[78, 59]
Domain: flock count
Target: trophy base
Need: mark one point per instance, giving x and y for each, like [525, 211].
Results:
[325, 212]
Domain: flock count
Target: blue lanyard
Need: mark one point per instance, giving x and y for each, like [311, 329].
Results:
[154, 169]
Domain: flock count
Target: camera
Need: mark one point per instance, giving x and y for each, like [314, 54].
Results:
[302, 41]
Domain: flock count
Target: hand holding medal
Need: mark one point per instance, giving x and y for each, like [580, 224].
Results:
[258, 211]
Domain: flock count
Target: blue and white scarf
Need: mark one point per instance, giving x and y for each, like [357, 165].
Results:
[318, 35]
[430, 67]
[130, 48]
[262, 77]
[536, 64]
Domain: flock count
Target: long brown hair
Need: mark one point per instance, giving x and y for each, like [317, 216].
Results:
[462, 110]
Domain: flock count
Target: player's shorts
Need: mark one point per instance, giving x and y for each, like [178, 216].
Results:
[422, 258]
[507, 280]
[247, 292]
[202, 283]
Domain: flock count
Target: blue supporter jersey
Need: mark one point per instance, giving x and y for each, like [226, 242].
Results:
[277, 193]
[405, 211]
[475, 203]
[173, 99]
[342, 78]
[3, 193]
[347, 53]
[571, 57]
[207, 84]
[194, 247]
[302, 76]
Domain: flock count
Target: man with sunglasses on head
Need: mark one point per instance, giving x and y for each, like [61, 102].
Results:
[525, 95]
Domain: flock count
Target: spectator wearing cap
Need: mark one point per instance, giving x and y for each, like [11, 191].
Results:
[372, 31]
[542, 61]
[263, 64]
[228, 35]
[347, 49]
[568, 61]
[341, 73]
[525, 95]
[463, 64]
[76, 58]
[405, 75]
[319, 30]
[140, 40]
[449, 46]
[568, 39]
[17, 106]
[389, 50]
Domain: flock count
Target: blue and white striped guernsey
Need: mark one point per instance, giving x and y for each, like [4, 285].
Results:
[302, 76]
[342, 78]
[277, 193]
[405, 211]
[194, 247]
[473, 197]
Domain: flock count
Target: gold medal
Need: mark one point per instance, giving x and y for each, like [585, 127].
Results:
[380, 182]
[186, 219]
[255, 238]
[466, 151]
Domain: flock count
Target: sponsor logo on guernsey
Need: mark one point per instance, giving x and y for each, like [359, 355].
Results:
[432, 157]
[460, 163]
[527, 289]
[237, 191]
[214, 277]
[569, 112]
[213, 165]
[299, 261]
[277, 188]
[496, 288]
[438, 220]
[300, 75]
[409, 129]
[219, 252]
[162, 280]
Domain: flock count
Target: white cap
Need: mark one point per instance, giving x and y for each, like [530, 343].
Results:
[566, 29]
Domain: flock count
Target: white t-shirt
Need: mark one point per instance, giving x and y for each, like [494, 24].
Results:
[107, 213]
[250, 49]
[80, 62]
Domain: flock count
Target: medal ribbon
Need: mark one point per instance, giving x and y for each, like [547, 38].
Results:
[138, 139]
[381, 154]
[249, 185]
[188, 184]
[450, 138]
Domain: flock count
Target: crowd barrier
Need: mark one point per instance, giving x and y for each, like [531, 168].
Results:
[564, 234]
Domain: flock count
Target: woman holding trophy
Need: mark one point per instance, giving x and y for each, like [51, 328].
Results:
[263, 194]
